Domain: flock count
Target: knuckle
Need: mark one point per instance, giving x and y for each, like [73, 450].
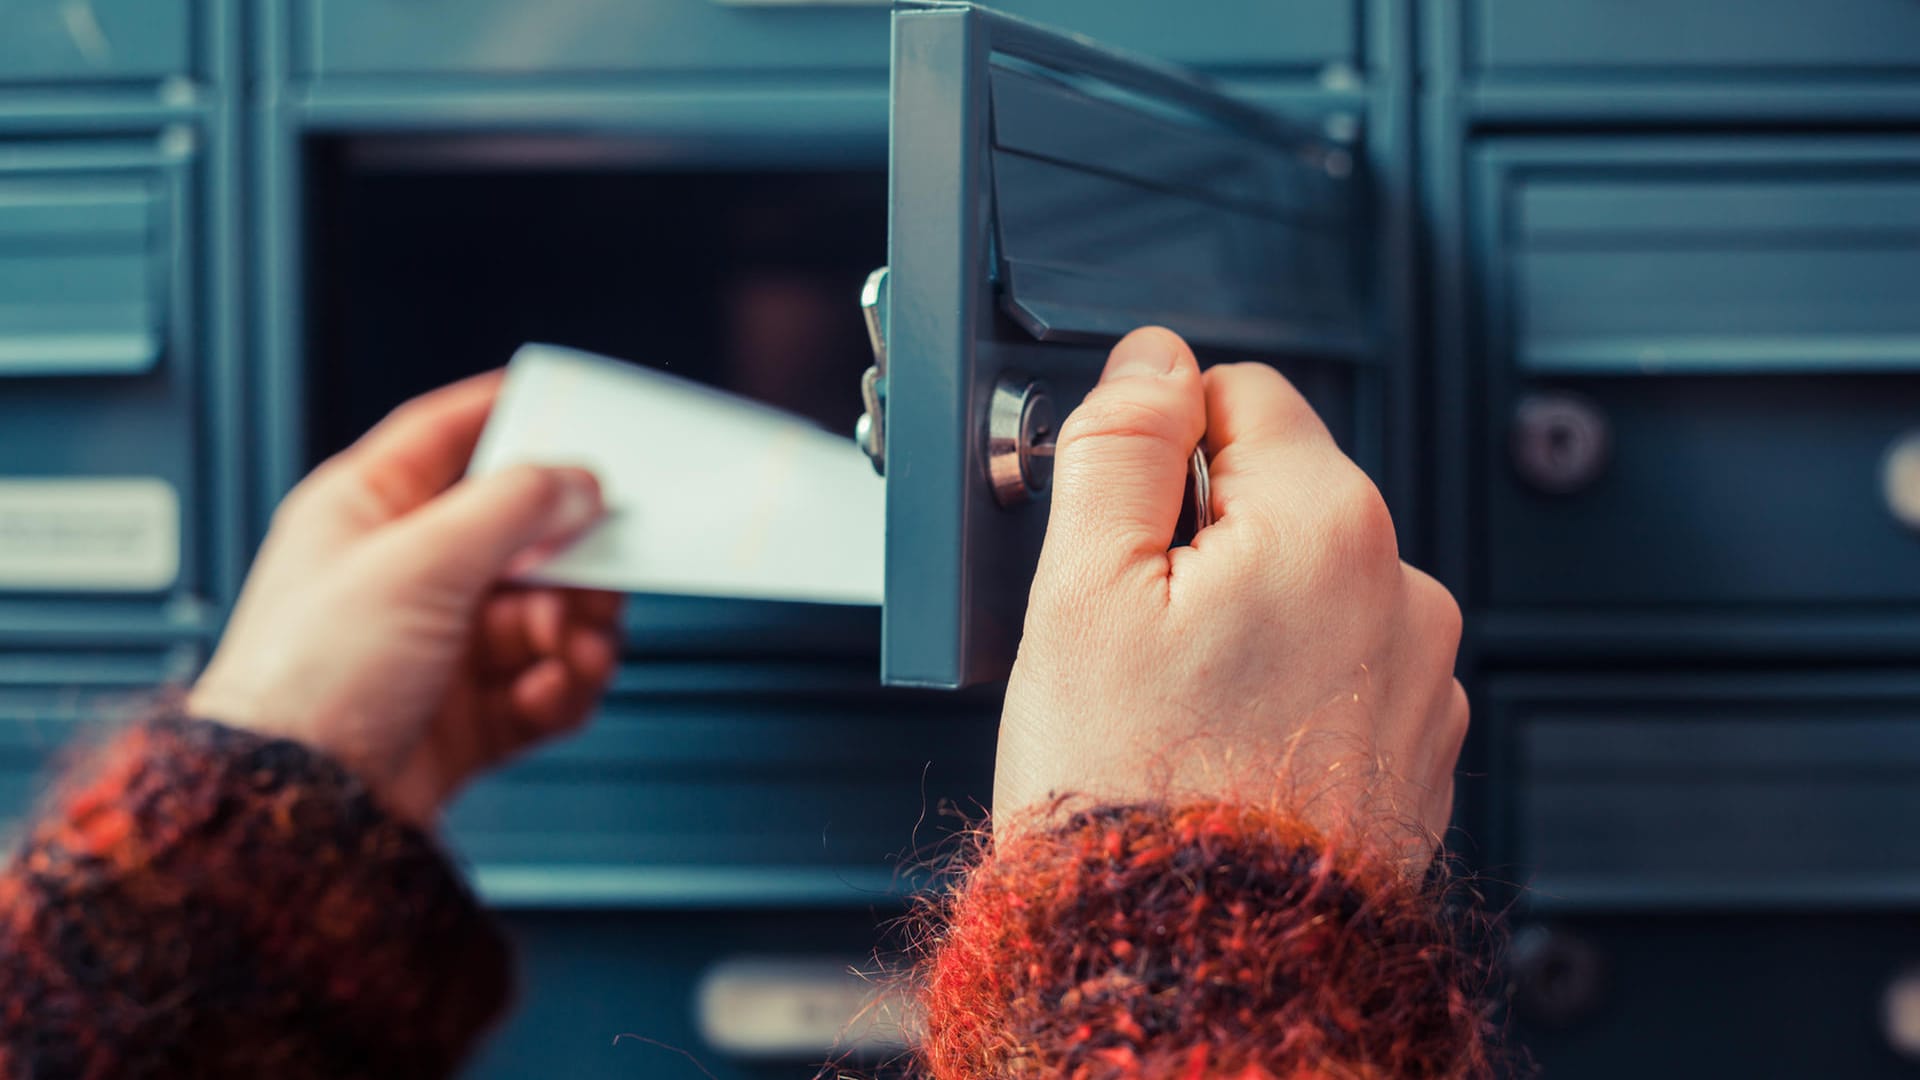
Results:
[1250, 374]
[1440, 610]
[1459, 713]
[1361, 518]
[1270, 399]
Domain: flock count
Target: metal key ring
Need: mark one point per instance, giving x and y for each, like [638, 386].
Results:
[1202, 483]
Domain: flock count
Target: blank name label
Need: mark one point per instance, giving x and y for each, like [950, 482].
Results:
[89, 535]
[799, 1009]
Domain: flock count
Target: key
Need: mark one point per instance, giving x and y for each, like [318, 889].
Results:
[1196, 508]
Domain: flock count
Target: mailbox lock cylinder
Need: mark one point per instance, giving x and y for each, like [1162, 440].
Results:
[1561, 442]
[1020, 431]
[870, 431]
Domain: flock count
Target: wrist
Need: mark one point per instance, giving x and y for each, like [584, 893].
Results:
[322, 729]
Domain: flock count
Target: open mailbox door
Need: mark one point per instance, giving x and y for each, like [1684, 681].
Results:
[1049, 195]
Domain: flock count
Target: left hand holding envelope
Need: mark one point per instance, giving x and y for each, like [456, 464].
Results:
[372, 626]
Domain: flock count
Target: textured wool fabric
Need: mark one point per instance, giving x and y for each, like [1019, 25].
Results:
[201, 902]
[1195, 942]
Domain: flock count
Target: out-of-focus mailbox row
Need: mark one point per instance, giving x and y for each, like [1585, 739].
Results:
[1677, 409]
[1616, 305]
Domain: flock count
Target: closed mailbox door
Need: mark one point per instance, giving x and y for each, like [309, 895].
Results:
[1047, 196]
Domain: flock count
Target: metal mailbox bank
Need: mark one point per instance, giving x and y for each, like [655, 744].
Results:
[1617, 303]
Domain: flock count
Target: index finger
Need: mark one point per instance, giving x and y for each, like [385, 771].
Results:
[1252, 404]
[1255, 418]
[424, 445]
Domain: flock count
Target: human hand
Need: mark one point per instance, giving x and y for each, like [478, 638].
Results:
[372, 626]
[1286, 656]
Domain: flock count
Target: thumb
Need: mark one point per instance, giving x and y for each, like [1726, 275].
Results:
[467, 538]
[1120, 466]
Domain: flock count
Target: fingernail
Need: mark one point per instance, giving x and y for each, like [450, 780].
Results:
[1140, 354]
[579, 501]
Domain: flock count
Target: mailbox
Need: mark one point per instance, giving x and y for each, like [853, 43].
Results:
[110, 501]
[1707, 349]
[1049, 195]
[101, 41]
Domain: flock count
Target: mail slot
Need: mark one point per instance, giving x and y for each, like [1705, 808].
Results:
[1607, 38]
[335, 38]
[96, 41]
[1674, 791]
[1702, 366]
[108, 507]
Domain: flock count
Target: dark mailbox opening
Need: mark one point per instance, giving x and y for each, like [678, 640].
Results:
[437, 257]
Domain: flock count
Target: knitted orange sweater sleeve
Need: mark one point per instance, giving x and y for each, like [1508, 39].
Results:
[1199, 941]
[203, 902]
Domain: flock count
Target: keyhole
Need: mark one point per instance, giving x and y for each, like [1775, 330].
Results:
[1560, 442]
[1559, 978]
[1560, 446]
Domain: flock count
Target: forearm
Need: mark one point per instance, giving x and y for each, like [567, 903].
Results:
[200, 901]
[1206, 941]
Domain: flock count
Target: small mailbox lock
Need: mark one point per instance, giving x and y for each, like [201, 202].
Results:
[1558, 978]
[1900, 479]
[1021, 427]
[870, 431]
[1561, 442]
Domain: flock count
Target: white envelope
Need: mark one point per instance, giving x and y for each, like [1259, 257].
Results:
[708, 494]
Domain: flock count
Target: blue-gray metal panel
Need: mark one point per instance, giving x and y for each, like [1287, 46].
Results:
[587, 979]
[76, 41]
[1671, 791]
[1244, 34]
[601, 37]
[958, 564]
[1762, 101]
[1217, 277]
[148, 423]
[1750, 425]
[1050, 116]
[1726, 492]
[1748, 304]
[1799, 264]
[1657, 38]
[750, 783]
[937, 251]
[83, 265]
[1231, 240]
[1725, 994]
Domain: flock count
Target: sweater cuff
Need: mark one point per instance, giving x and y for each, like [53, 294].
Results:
[1203, 940]
[205, 901]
